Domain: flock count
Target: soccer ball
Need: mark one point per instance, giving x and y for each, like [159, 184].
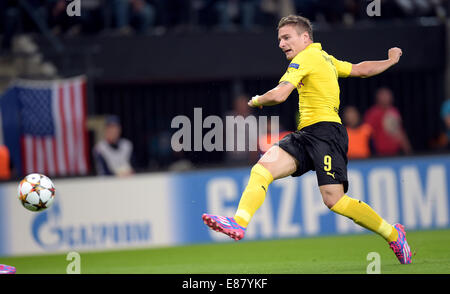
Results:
[36, 192]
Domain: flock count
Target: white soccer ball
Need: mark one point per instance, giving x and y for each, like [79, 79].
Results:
[36, 192]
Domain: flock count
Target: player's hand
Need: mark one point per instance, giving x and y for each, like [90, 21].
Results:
[394, 54]
[251, 104]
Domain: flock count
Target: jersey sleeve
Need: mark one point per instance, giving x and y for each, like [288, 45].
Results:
[343, 68]
[297, 69]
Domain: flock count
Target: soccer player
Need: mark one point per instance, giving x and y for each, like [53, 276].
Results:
[321, 141]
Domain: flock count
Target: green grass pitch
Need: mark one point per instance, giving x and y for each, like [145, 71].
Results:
[318, 255]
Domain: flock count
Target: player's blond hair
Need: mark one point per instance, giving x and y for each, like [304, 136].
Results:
[301, 23]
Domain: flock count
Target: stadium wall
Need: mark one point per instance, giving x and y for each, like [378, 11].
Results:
[164, 209]
[217, 56]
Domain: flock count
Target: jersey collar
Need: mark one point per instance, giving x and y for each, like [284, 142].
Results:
[314, 45]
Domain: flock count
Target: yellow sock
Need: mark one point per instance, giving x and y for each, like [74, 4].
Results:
[365, 216]
[254, 194]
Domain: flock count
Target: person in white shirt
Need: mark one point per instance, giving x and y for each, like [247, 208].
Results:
[112, 155]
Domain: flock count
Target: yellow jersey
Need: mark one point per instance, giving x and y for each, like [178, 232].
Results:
[315, 75]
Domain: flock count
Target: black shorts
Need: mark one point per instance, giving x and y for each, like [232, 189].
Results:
[321, 147]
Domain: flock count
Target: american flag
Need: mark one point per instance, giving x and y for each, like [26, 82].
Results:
[53, 135]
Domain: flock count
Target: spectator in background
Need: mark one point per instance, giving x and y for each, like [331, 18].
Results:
[137, 14]
[112, 155]
[93, 17]
[389, 137]
[180, 162]
[445, 115]
[59, 21]
[330, 11]
[358, 134]
[240, 108]
[443, 141]
[163, 156]
[230, 12]
[5, 163]
[265, 141]
[273, 10]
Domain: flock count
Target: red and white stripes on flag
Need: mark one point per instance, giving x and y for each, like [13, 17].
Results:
[60, 147]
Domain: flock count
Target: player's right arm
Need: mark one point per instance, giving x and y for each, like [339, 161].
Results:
[367, 69]
[297, 69]
[277, 95]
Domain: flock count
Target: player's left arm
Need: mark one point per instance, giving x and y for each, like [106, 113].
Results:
[367, 69]
[277, 95]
